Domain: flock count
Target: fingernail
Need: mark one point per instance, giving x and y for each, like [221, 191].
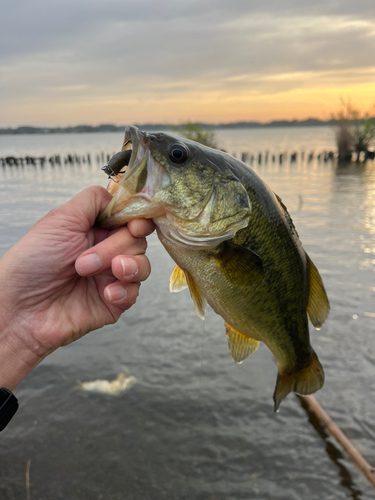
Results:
[129, 266]
[116, 293]
[89, 264]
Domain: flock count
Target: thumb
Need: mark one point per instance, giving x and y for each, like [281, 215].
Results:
[87, 205]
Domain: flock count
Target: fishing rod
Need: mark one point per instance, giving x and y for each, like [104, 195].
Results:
[327, 423]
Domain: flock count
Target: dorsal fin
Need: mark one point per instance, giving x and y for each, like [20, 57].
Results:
[240, 346]
[318, 303]
[292, 227]
[177, 281]
[199, 302]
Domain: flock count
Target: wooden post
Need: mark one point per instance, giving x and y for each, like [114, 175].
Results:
[244, 157]
[326, 421]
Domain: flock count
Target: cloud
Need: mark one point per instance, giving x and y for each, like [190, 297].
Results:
[71, 51]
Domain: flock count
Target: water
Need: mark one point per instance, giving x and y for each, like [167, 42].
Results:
[196, 425]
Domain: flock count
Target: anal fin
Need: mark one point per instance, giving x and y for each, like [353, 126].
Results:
[177, 281]
[240, 346]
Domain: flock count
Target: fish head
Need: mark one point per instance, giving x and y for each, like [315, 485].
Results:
[187, 189]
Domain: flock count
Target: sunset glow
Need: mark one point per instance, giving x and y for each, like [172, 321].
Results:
[129, 63]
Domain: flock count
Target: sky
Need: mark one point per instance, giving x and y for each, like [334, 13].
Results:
[171, 61]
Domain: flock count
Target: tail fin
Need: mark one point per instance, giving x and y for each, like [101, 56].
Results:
[306, 381]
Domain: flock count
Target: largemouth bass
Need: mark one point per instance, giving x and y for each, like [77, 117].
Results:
[235, 247]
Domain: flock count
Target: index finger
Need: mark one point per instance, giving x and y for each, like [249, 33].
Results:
[98, 258]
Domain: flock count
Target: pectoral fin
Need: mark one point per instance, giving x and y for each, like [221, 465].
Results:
[199, 302]
[318, 304]
[177, 281]
[239, 263]
[240, 346]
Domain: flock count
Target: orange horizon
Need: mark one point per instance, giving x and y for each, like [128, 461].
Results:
[283, 97]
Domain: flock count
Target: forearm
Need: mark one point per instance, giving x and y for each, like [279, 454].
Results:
[16, 359]
[18, 354]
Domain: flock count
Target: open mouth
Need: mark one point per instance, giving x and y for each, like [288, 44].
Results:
[131, 162]
[133, 181]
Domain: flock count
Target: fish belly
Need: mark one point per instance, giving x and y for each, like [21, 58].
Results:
[251, 308]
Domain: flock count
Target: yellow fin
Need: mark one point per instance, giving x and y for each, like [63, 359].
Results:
[240, 345]
[317, 304]
[237, 262]
[177, 281]
[199, 302]
[305, 381]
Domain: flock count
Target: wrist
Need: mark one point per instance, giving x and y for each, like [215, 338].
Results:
[17, 358]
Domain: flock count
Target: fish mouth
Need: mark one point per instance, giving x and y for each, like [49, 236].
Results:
[133, 186]
[141, 187]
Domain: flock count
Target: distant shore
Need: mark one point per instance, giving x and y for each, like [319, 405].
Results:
[79, 129]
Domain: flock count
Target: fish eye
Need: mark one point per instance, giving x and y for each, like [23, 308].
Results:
[178, 153]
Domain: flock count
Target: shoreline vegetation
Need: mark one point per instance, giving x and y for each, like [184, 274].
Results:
[311, 122]
[355, 133]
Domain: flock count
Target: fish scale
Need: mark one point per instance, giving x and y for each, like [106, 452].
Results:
[235, 247]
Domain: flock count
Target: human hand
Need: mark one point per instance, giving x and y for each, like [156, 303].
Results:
[66, 278]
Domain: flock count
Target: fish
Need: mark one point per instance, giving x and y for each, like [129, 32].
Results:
[235, 247]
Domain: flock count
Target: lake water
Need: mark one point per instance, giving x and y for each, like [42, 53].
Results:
[196, 425]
